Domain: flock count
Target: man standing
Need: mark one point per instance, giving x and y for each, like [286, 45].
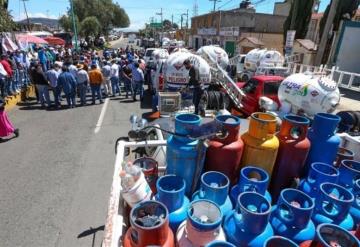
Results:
[114, 77]
[194, 81]
[82, 82]
[96, 79]
[42, 85]
[68, 83]
[127, 77]
[138, 79]
[52, 76]
[106, 71]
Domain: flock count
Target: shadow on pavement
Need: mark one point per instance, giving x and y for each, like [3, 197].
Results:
[91, 231]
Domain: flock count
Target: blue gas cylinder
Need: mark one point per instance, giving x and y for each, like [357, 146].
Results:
[324, 141]
[248, 224]
[332, 205]
[318, 174]
[349, 173]
[214, 186]
[291, 217]
[355, 207]
[278, 241]
[182, 154]
[220, 244]
[251, 179]
[171, 192]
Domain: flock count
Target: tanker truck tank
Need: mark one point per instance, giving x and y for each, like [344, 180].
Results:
[215, 54]
[263, 58]
[175, 73]
[308, 94]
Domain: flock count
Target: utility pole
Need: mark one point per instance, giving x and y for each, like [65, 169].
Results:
[162, 28]
[215, 1]
[324, 37]
[172, 20]
[74, 24]
[187, 18]
[26, 13]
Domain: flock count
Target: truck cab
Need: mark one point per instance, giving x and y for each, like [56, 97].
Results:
[256, 87]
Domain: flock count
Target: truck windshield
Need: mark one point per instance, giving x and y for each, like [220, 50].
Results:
[271, 87]
[250, 86]
[148, 53]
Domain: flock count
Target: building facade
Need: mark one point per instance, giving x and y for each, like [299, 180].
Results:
[228, 28]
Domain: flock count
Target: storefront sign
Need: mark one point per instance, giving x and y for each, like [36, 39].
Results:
[206, 31]
[229, 31]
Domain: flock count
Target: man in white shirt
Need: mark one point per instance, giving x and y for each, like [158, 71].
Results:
[73, 70]
[106, 71]
[114, 77]
[82, 80]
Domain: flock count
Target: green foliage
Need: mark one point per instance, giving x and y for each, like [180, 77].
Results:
[344, 7]
[6, 21]
[66, 23]
[108, 14]
[302, 18]
[90, 26]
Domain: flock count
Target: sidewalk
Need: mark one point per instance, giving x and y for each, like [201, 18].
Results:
[11, 101]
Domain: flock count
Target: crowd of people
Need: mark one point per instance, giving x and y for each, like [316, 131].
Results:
[59, 73]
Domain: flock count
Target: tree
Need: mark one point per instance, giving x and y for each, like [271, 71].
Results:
[108, 14]
[346, 10]
[6, 21]
[90, 26]
[302, 18]
[175, 25]
[66, 23]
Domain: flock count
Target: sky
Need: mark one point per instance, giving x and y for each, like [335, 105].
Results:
[139, 11]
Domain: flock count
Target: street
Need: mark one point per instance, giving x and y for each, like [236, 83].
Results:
[55, 178]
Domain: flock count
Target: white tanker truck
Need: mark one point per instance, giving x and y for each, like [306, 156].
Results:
[215, 54]
[262, 62]
[304, 94]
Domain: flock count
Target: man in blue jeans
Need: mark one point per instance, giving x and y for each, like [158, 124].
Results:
[194, 81]
[68, 83]
[114, 78]
[138, 79]
[96, 78]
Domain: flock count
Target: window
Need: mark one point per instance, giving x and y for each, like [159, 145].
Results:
[250, 86]
[271, 88]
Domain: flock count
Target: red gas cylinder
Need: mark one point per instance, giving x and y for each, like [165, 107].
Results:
[149, 226]
[293, 150]
[224, 155]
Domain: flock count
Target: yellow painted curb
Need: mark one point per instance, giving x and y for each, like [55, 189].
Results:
[11, 101]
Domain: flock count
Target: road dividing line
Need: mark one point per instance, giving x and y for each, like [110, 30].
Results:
[101, 117]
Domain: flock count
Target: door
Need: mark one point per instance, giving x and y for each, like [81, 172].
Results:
[230, 48]
[250, 101]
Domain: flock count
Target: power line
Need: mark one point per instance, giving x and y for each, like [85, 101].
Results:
[215, 1]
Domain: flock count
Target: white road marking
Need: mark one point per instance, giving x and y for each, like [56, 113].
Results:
[101, 117]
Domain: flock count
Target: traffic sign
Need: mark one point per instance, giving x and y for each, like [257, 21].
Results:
[156, 24]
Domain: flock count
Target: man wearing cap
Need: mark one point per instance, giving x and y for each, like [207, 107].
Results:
[194, 80]
[82, 79]
[68, 83]
[96, 79]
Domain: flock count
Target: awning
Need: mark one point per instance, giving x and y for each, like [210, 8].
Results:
[26, 38]
[54, 40]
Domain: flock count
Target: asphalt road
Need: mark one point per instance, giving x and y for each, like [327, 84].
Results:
[55, 178]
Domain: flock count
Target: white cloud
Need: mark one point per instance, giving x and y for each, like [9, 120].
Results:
[39, 14]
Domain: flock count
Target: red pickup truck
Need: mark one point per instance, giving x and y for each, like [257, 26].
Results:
[256, 87]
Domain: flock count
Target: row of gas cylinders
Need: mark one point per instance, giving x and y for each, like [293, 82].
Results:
[320, 212]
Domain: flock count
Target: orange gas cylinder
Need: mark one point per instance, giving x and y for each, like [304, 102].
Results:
[224, 155]
[149, 226]
[261, 144]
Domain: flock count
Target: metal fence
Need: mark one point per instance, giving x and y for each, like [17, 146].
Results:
[344, 79]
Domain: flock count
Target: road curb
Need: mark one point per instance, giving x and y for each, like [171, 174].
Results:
[12, 101]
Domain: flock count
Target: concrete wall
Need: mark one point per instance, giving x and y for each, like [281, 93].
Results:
[347, 55]
[270, 40]
[269, 23]
[282, 8]
[308, 56]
